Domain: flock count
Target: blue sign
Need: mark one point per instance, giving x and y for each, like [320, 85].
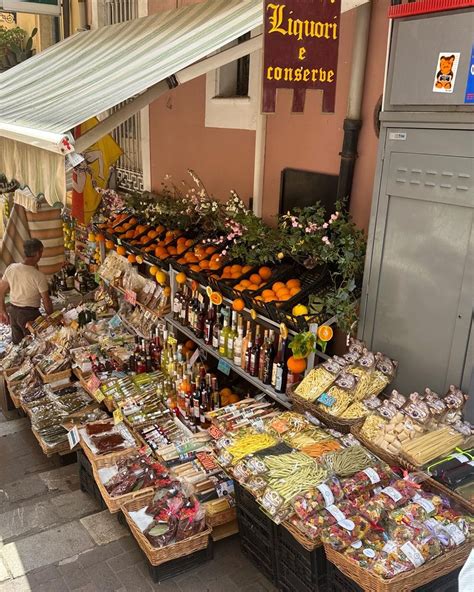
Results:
[469, 97]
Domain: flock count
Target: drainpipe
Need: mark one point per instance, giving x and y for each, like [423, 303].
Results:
[353, 122]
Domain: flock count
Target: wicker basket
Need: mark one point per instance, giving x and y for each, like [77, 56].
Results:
[96, 460]
[308, 544]
[223, 517]
[404, 582]
[56, 377]
[61, 448]
[115, 503]
[398, 461]
[157, 556]
[336, 423]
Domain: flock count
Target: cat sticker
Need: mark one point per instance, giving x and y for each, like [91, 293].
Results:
[445, 72]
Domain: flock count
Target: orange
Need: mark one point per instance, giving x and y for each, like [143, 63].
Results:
[121, 251]
[259, 298]
[181, 278]
[235, 275]
[167, 291]
[194, 267]
[269, 298]
[100, 238]
[160, 252]
[129, 234]
[235, 268]
[214, 265]
[172, 250]
[216, 298]
[268, 293]
[238, 304]
[159, 229]
[215, 257]
[181, 240]
[144, 239]
[296, 365]
[152, 234]
[191, 257]
[246, 268]
[238, 287]
[325, 332]
[294, 291]
[189, 242]
[132, 259]
[277, 286]
[293, 283]
[283, 294]
[265, 273]
[252, 287]
[210, 250]
[182, 260]
[245, 283]
[180, 249]
[109, 244]
[255, 279]
[204, 264]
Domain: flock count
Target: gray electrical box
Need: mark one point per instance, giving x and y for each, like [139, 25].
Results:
[418, 293]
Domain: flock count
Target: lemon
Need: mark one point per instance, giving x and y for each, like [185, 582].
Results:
[299, 310]
[161, 277]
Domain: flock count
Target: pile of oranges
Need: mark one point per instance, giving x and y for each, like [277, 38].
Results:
[202, 257]
[234, 272]
[281, 291]
[172, 244]
[255, 280]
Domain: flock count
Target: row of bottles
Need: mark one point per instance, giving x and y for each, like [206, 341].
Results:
[191, 392]
[147, 355]
[259, 351]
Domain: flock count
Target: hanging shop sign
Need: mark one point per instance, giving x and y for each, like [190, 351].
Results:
[300, 50]
[49, 7]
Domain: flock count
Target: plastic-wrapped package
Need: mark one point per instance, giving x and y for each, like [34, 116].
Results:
[391, 497]
[365, 552]
[397, 558]
[342, 534]
[317, 498]
[423, 506]
[366, 480]
[340, 395]
[318, 380]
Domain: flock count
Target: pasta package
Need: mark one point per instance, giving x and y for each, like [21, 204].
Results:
[365, 480]
[318, 380]
[341, 535]
[340, 395]
[315, 499]
[363, 369]
[398, 558]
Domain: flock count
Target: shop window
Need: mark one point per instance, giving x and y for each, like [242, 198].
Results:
[232, 92]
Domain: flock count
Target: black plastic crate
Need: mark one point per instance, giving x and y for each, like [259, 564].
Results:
[338, 582]
[88, 485]
[175, 567]
[298, 568]
[257, 541]
[246, 503]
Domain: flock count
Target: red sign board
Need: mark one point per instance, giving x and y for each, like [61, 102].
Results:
[300, 50]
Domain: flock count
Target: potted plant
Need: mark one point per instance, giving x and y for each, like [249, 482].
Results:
[15, 46]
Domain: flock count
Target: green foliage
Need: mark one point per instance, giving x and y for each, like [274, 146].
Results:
[303, 344]
[15, 46]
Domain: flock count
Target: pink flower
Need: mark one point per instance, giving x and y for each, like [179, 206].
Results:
[325, 225]
[326, 240]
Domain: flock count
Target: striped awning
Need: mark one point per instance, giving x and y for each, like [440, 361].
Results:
[93, 71]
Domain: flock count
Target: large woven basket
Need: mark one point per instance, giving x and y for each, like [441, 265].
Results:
[115, 503]
[433, 484]
[55, 377]
[336, 423]
[308, 544]
[157, 556]
[404, 582]
[61, 448]
[97, 459]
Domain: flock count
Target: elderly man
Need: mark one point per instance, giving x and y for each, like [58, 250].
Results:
[27, 287]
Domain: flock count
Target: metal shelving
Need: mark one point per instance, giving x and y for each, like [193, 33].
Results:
[264, 388]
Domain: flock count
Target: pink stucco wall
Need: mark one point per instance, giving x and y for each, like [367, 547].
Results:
[224, 159]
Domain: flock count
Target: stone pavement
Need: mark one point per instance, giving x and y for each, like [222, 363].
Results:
[55, 538]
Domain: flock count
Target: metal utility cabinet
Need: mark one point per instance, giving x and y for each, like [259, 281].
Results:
[418, 292]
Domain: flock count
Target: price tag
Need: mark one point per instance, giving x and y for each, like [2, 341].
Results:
[131, 297]
[115, 322]
[224, 366]
[118, 416]
[327, 400]
[194, 357]
[172, 340]
[93, 383]
[119, 242]
[99, 396]
[73, 437]
[74, 325]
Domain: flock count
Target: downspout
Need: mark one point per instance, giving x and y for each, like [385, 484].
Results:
[260, 149]
[353, 122]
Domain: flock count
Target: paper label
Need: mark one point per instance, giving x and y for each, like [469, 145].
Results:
[372, 475]
[99, 396]
[224, 366]
[115, 322]
[462, 458]
[131, 297]
[412, 554]
[326, 399]
[428, 506]
[118, 416]
[74, 325]
[455, 533]
[346, 524]
[389, 547]
[194, 357]
[73, 437]
[392, 493]
[172, 340]
[93, 383]
[356, 545]
[326, 493]
[336, 512]
[257, 425]
[369, 553]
